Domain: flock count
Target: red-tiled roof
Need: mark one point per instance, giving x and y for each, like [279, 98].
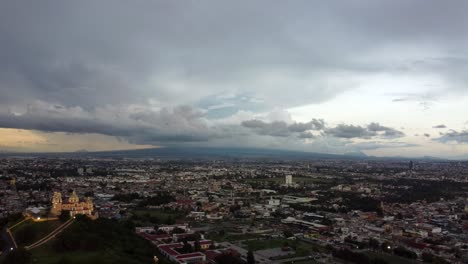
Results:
[169, 249]
[154, 237]
[190, 255]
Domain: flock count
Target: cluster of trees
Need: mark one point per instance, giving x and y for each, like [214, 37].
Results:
[126, 197]
[431, 191]
[159, 199]
[365, 204]
[12, 218]
[356, 257]
[228, 258]
[406, 253]
[146, 217]
[430, 258]
[188, 248]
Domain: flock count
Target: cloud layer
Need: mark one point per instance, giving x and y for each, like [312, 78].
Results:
[166, 72]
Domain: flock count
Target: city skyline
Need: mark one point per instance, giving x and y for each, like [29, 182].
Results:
[386, 78]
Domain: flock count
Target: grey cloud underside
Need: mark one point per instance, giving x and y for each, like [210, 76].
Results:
[282, 129]
[453, 136]
[90, 53]
[379, 145]
[145, 126]
[90, 61]
[440, 126]
[372, 130]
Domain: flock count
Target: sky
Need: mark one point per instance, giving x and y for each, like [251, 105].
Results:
[385, 78]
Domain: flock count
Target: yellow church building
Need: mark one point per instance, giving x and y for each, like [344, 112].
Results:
[74, 206]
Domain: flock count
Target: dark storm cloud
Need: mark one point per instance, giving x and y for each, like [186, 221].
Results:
[453, 136]
[440, 126]
[86, 53]
[94, 55]
[371, 145]
[306, 135]
[387, 131]
[144, 126]
[314, 124]
[350, 131]
[372, 130]
[282, 129]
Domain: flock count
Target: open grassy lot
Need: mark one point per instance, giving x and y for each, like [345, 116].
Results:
[29, 232]
[266, 244]
[100, 241]
[232, 237]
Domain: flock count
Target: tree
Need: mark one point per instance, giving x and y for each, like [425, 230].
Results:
[187, 248]
[374, 244]
[212, 246]
[403, 252]
[387, 247]
[287, 233]
[64, 216]
[178, 230]
[222, 232]
[226, 258]
[427, 257]
[197, 245]
[250, 257]
[170, 220]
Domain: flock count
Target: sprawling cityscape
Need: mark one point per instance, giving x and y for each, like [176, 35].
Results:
[244, 210]
[233, 132]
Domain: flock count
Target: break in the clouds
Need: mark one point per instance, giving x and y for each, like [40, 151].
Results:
[167, 72]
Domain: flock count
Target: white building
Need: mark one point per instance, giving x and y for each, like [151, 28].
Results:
[289, 180]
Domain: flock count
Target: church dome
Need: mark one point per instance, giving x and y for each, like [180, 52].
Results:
[73, 198]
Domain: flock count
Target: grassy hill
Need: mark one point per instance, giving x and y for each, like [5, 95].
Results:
[86, 241]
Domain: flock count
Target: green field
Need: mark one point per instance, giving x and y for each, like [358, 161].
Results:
[300, 248]
[266, 244]
[86, 241]
[231, 237]
[47, 255]
[29, 232]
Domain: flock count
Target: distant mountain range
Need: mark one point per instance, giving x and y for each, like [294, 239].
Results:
[213, 153]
